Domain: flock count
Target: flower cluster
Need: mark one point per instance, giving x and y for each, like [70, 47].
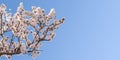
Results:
[23, 32]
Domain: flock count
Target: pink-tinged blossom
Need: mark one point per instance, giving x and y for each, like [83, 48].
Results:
[23, 24]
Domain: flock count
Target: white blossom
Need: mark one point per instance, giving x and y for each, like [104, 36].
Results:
[52, 13]
[32, 46]
[34, 55]
[23, 48]
[57, 21]
[20, 8]
[6, 46]
[39, 11]
[2, 8]
[28, 42]
[33, 9]
[26, 29]
[8, 16]
[5, 28]
[4, 39]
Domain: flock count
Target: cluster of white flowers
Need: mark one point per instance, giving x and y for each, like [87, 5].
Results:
[18, 24]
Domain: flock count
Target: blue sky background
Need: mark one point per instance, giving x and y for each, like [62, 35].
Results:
[91, 30]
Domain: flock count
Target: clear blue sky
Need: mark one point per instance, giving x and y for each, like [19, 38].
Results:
[91, 30]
